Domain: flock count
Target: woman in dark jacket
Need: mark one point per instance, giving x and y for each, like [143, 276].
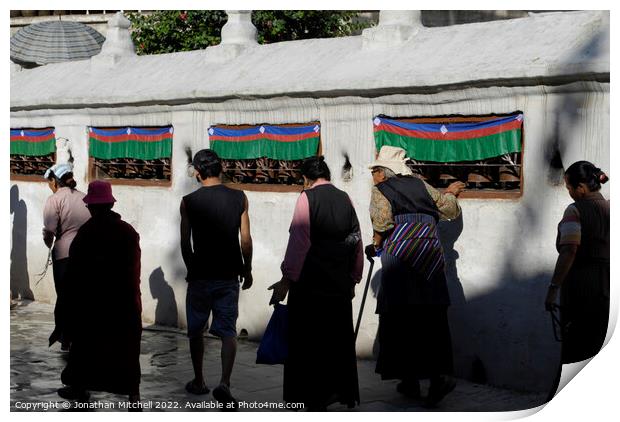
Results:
[582, 269]
[104, 277]
[323, 262]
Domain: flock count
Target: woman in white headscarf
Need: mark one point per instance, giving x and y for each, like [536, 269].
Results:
[63, 214]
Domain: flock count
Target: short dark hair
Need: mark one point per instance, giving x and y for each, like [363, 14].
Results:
[315, 168]
[100, 207]
[207, 163]
[587, 173]
[65, 181]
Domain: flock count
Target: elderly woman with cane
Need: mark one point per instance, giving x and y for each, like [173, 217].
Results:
[323, 262]
[414, 336]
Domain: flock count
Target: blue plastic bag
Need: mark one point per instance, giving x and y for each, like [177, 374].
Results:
[273, 348]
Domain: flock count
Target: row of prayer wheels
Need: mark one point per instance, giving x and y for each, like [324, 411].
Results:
[31, 165]
[129, 168]
[263, 170]
[475, 177]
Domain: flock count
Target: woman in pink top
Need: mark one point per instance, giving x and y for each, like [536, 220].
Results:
[63, 215]
[323, 263]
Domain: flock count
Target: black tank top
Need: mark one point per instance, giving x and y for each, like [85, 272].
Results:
[594, 218]
[214, 214]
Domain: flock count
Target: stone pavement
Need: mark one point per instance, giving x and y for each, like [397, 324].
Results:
[166, 367]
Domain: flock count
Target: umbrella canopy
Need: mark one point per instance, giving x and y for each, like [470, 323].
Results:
[54, 41]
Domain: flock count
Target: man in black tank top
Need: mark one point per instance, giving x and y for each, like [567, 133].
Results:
[212, 220]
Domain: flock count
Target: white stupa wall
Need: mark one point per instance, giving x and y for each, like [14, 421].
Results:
[500, 255]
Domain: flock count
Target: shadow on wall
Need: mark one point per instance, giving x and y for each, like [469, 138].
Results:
[508, 330]
[20, 280]
[166, 311]
[449, 232]
[504, 335]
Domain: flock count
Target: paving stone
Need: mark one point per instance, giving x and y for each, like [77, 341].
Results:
[166, 368]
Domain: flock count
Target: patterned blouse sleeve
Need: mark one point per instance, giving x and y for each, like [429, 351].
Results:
[569, 229]
[446, 203]
[380, 212]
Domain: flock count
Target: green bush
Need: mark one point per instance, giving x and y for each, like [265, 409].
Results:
[169, 31]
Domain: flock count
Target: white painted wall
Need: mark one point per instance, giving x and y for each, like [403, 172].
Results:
[548, 47]
[506, 248]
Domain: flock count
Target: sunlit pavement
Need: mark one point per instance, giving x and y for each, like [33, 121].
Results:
[166, 368]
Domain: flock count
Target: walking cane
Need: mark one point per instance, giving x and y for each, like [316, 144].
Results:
[359, 316]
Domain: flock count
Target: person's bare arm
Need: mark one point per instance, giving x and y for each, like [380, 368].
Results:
[246, 248]
[51, 220]
[562, 267]
[186, 232]
[48, 238]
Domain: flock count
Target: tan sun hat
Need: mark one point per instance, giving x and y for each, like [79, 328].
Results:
[393, 158]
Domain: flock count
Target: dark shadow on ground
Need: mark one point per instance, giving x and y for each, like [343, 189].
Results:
[20, 280]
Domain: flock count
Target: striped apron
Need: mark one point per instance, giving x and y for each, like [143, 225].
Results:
[414, 241]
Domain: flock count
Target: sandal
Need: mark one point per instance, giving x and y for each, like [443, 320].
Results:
[222, 394]
[190, 387]
[437, 393]
[74, 394]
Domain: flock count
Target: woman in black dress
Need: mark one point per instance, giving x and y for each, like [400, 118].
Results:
[323, 262]
[105, 301]
[582, 269]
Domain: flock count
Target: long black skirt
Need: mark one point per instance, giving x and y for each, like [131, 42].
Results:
[59, 268]
[321, 367]
[105, 354]
[584, 310]
[414, 343]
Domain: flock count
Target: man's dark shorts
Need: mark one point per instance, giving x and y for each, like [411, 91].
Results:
[220, 297]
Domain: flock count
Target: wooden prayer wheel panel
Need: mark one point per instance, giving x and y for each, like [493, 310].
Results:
[484, 152]
[131, 168]
[491, 174]
[31, 165]
[262, 171]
